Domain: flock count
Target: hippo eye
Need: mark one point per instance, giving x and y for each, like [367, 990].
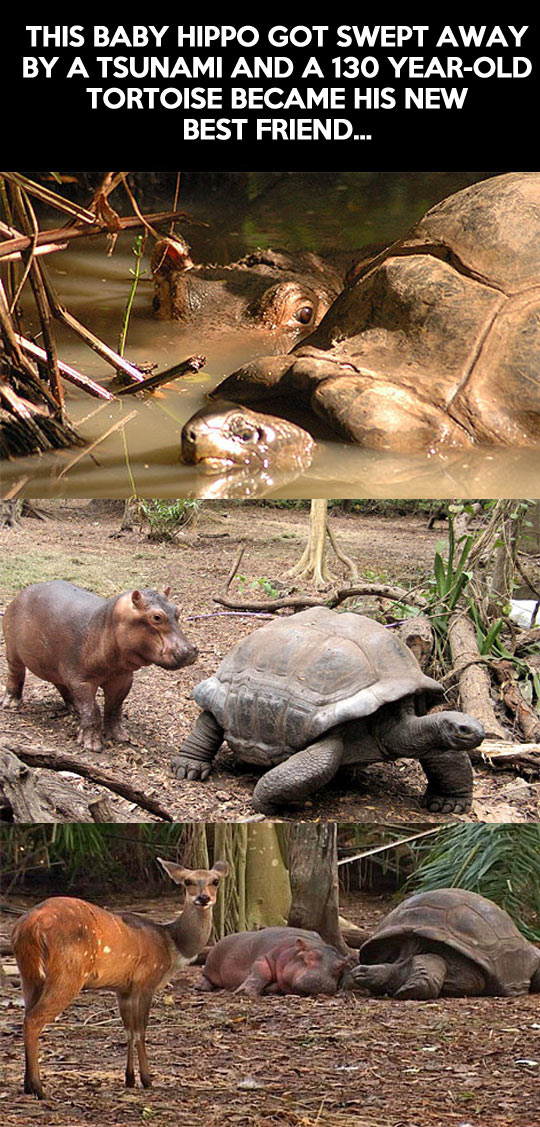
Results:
[157, 618]
[304, 314]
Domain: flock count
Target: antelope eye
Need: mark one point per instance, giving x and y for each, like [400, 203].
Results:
[304, 314]
[189, 883]
[215, 883]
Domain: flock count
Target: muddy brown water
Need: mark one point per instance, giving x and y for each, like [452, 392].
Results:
[315, 211]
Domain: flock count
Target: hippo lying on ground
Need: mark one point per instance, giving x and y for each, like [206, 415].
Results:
[81, 642]
[436, 342]
[264, 290]
[275, 960]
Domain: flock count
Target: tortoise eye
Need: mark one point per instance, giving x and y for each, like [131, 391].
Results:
[304, 314]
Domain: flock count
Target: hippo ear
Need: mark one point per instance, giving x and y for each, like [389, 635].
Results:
[136, 598]
[301, 945]
[166, 592]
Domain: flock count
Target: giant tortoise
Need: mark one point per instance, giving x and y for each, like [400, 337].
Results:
[436, 341]
[304, 694]
[447, 941]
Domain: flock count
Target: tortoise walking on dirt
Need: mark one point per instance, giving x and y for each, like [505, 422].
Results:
[305, 694]
[447, 942]
[436, 342]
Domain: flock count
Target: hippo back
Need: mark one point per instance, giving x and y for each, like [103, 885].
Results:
[294, 679]
[469, 924]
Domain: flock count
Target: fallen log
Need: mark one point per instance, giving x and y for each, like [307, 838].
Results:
[18, 790]
[43, 796]
[332, 599]
[58, 761]
[473, 677]
[516, 704]
[501, 754]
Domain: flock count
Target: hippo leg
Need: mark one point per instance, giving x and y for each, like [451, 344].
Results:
[425, 978]
[450, 781]
[115, 692]
[197, 753]
[300, 775]
[90, 731]
[259, 979]
[14, 684]
[535, 982]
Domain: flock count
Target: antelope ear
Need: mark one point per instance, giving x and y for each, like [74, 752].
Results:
[221, 868]
[177, 873]
[166, 592]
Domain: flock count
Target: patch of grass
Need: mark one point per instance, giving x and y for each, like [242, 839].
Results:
[92, 572]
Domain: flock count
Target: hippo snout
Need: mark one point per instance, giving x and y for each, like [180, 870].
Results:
[179, 654]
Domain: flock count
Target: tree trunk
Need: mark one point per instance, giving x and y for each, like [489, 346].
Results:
[312, 849]
[312, 563]
[256, 892]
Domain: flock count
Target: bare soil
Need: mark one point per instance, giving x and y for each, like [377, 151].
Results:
[221, 1058]
[78, 541]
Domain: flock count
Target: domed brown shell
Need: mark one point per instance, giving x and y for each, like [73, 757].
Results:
[292, 680]
[436, 341]
[469, 924]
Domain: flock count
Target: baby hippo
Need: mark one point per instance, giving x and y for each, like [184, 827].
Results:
[275, 960]
[81, 642]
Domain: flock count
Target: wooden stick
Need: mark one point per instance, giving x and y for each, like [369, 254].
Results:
[192, 364]
[69, 373]
[58, 761]
[66, 234]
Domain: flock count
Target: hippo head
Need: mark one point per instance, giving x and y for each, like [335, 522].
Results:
[315, 969]
[148, 631]
[266, 290]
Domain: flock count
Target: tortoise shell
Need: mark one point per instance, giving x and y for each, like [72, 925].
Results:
[467, 923]
[295, 678]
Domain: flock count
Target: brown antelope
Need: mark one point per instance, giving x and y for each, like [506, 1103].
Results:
[65, 945]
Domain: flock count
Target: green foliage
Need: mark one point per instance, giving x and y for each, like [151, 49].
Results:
[501, 862]
[262, 584]
[168, 518]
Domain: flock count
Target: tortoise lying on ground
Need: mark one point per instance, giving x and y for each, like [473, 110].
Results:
[436, 342]
[308, 693]
[248, 450]
[451, 942]
[264, 290]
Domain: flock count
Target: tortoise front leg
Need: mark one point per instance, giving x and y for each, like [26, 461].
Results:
[300, 775]
[450, 781]
[197, 753]
[425, 978]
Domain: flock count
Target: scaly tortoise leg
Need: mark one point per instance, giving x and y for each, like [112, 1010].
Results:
[299, 776]
[198, 751]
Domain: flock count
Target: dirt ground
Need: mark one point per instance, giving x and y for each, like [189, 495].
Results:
[78, 541]
[282, 1062]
